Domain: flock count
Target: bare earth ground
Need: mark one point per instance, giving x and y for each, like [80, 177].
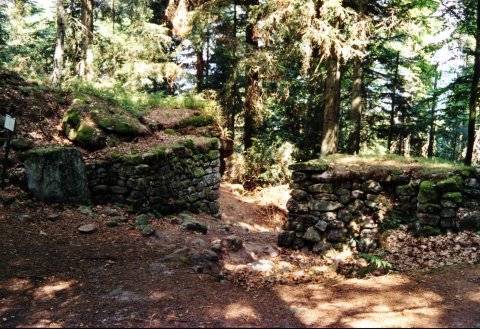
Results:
[51, 276]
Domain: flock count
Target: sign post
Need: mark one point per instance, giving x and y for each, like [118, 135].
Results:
[10, 127]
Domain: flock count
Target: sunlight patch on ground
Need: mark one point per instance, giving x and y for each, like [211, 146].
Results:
[238, 311]
[45, 323]
[404, 319]
[473, 296]
[50, 290]
[16, 284]
[158, 296]
[370, 303]
[255, 228]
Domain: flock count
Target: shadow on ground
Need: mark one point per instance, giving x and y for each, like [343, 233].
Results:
[51, 276]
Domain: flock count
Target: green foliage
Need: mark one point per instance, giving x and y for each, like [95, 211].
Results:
[395, 219]
[31, 37]
[138, 103]
[262, 164]
[376, 262]
[197, 121]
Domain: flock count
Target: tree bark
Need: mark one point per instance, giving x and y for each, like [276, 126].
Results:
[330, 130]
[235, 98]
[431, 135]
[57, 74]
[358, 105]
[251, 116]
[200, 66]
[394, 105]
[86, 62]
[474, 94]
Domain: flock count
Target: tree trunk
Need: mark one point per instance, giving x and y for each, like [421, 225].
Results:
[200, 66]
[394, 99]
[235, 98]
[330, 130]
[57, 74]
[431, 135]
[251, 116]
[474, 94]
[86, 63]
[358, 105]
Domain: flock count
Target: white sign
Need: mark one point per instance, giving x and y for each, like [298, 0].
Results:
[9, 123]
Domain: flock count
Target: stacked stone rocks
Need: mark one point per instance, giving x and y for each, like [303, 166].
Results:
[167, 179]
[332, 208]
[438, 202]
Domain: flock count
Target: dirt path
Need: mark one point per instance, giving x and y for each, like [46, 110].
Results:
[50, 276]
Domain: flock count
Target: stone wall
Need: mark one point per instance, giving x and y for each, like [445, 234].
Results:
[331, 207]
[165, 179]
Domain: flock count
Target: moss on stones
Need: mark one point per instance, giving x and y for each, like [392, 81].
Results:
[453, 196]
[198, 172]
[213, 154]
[121, 124]
[196, 121]
[312, 165]
[170, 132]
[427, 192]
[450, 184]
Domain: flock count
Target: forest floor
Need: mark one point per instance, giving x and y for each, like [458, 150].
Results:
[53, 276]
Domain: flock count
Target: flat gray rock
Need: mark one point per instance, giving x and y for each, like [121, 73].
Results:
[57, 174]
[87, 228]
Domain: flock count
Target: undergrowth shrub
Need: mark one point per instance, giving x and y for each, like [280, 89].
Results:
[263, 164]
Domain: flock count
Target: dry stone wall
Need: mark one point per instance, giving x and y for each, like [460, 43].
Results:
[167, 179]
[331, 207]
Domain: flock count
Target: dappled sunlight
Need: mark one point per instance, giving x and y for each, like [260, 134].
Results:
[16, 285]
[262, 211]
[238, 311]
[387, 302]
[46, 323]
[255, 228]
[407, 318]
[388, 162]
[158, 296]
[473, 296]
[49, 291]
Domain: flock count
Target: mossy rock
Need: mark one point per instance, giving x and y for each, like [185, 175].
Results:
[170, 132]
[456, 197]
[427, 192]
[312, 165]
[467, 172]
[450, 184]
[429, 208]
[120, 124]
[82, 131]
[213, 154]
[94, 123]
[200, 120]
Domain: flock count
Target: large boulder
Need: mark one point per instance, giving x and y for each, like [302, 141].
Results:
[57, 174]
[93, 123]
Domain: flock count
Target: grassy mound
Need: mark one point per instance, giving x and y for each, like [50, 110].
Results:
[391, 163]
[98, 117]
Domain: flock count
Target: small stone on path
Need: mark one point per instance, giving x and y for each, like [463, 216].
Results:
[53, 217]
[87, 228]
[85, 210]
[112, 223]
[147, 230]
[195, 226]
